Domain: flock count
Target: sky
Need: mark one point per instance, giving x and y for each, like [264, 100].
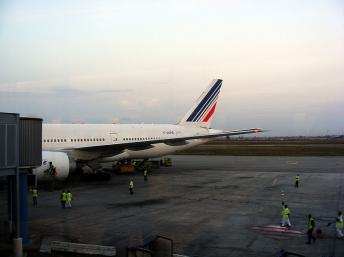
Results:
[282, 62]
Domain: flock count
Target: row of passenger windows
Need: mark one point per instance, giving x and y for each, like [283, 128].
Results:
[74, 140]
[139, 138]
[97, 139]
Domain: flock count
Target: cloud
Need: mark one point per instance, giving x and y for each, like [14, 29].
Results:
[57, 91]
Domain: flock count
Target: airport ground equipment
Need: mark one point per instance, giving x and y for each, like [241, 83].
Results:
[20, 151]
[126, 168]
[167, 162]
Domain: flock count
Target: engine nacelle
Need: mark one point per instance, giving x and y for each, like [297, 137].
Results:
[55, 166]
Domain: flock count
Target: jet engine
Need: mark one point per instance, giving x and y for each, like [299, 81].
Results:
[55, 166]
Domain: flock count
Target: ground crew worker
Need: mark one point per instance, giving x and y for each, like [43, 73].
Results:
[297, 180]
[34, 193]
[131, 187]
[282, 212]
[285, 217]
[339, 225]
[310, 228]
[145, 174]
[69, 198]
[63, 198]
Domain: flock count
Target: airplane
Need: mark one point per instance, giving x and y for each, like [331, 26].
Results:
[66, 146]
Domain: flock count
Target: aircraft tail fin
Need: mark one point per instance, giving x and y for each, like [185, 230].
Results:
[202, 111]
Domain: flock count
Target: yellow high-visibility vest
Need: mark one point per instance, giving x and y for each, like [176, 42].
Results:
[297, 178]
[69, 196]
[131, 184]
[286, 213]
[310, 225]
[339, 221]
[34, 192]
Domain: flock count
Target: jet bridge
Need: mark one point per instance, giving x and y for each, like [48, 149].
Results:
[20, 151]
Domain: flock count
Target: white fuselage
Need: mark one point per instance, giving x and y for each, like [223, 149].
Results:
[70, 137]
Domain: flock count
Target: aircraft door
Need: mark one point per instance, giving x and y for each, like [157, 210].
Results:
[114, 137]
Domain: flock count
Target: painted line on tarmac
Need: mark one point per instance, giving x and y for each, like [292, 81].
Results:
[276, 232]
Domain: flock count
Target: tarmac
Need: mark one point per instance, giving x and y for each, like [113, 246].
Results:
[208, 205]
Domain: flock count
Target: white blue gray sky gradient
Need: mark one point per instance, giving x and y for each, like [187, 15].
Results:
[282, 62]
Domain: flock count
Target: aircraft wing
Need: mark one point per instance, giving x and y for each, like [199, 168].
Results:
[110, 150]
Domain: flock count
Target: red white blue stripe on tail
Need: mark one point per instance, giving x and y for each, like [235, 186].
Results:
[203, 109]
